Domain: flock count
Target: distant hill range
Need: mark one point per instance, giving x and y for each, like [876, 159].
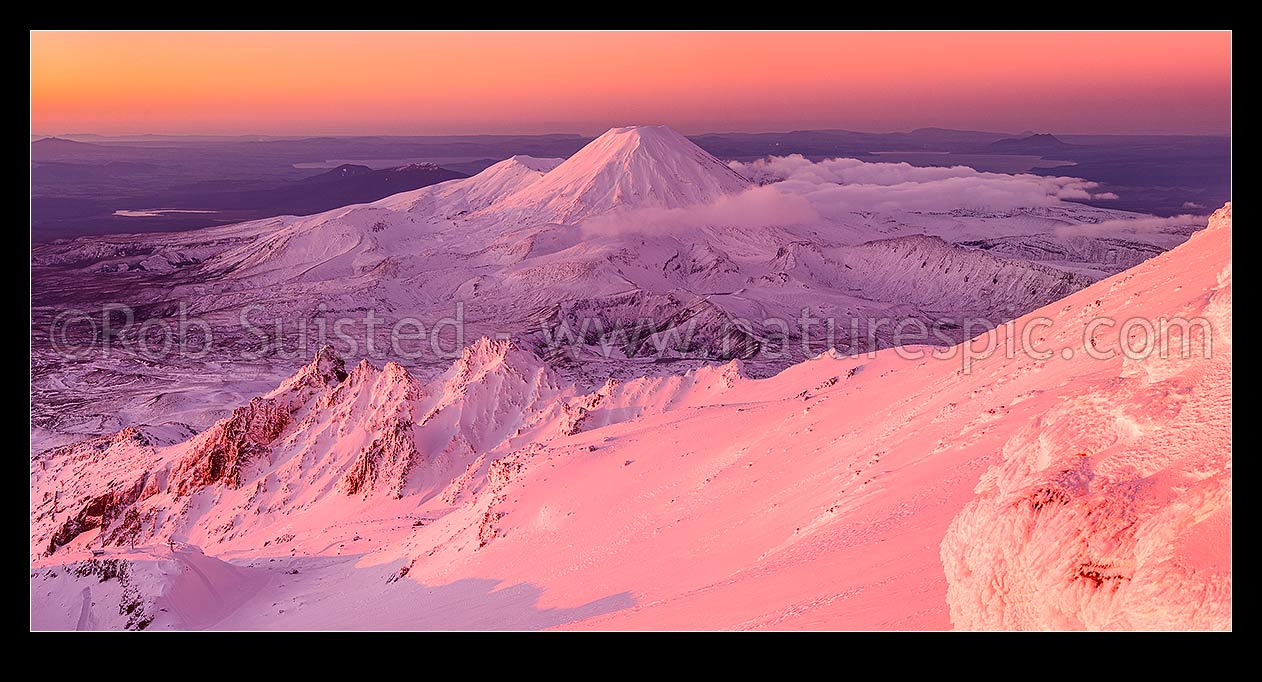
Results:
[84, 188]
[59, 148]
[341, 186]
[80, 183]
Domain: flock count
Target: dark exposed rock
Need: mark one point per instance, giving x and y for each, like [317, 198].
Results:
[98, 512]
[230, 445]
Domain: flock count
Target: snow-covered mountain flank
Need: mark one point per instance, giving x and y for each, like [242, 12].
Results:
[1073, 474]
[624, 169]
[640, 255]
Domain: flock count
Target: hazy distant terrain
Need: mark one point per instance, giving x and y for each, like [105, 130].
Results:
[87, 184]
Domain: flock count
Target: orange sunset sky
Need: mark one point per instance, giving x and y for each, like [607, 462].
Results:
[418, 83]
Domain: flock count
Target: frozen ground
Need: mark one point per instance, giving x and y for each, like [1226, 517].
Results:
[875, 491]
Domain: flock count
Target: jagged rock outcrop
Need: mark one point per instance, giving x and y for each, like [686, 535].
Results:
[219, 455]
[322, 435]
[98, 512]
[388, 459]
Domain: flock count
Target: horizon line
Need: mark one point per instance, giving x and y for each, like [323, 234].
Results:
[780, 131]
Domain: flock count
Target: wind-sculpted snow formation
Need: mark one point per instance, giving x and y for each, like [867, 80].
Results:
[1112, 510]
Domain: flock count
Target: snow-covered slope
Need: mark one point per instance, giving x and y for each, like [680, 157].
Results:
[324, 435]
[624, 169]
[1112, 510]
[1019, 489]
[640, 255]
[478, 192]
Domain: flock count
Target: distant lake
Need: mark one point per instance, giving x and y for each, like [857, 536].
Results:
[154, 212]
[989, 163]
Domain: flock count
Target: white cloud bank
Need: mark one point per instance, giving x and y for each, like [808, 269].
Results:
[838, 186]
[1145, 225]
[755, 207]
[792, 190]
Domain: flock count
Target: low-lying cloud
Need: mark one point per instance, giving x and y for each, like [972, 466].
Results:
[837, 186]
[756, 207]
[792, 190]
[1144, 225]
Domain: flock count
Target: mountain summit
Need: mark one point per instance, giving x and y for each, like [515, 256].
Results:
[632, 167]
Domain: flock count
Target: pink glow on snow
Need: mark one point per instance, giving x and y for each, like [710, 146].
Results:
[842, 493]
